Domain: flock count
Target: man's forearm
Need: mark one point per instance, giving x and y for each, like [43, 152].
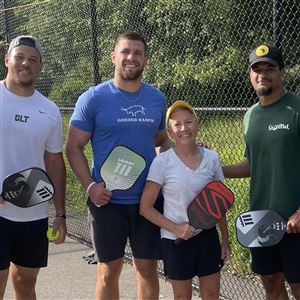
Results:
[80, 166]
[239, 170]
[57, 172]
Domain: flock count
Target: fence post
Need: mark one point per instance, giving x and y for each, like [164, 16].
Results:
[6, 33]
[94, 38]
[277, 22]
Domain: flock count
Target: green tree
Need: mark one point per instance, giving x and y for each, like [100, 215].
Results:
[199, 48]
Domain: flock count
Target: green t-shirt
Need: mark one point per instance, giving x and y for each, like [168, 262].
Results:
[272, 137]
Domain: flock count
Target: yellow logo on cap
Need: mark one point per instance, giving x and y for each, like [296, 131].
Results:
[262, 50]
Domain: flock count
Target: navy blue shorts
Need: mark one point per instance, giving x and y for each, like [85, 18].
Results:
[283, 257]
[198, 256]
[112, 225]
[23, 243]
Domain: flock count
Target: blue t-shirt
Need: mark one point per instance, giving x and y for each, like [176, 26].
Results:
[116, 117]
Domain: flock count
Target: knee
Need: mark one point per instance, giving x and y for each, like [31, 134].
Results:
[24, 284]
[179, 296]
[109, 273]
[209, 294]
[147, 270]
[23, 279]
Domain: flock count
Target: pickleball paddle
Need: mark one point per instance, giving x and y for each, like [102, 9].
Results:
[261, 228]
[28, 187]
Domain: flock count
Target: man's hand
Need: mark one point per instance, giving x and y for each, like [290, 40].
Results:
[99, 194]
[204, 145]
[59, 223]
[1, 200]
[293, 224]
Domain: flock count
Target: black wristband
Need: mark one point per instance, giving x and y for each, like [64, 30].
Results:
[61, 216]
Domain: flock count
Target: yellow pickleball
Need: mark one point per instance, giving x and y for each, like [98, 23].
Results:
[52, 237]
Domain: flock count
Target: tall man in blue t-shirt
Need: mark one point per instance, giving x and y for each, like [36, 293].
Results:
[121, 111]
[272, 138]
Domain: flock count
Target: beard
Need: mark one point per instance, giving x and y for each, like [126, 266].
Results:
[26, 83]
[132, 76]
[264, 91]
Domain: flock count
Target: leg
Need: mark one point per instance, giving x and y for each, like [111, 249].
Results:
[295, 287]
[182, 289]
[108, 274]
[291, 263]
[268, 263]
[274, 286]
[210, 286]
[147, 278]
[3, 281]
[146, 252]
[23, 280]
[109, 231]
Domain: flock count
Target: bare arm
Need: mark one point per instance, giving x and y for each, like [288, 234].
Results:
[55, 168]
[225, 246]
[150, 193]
[76, 141]
[239, 170]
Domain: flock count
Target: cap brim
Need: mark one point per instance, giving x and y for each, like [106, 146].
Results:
[261, 59]
[179, 104]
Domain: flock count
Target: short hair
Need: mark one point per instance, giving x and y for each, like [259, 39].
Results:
[133, 36]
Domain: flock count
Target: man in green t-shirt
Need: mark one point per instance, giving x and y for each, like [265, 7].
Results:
[272, 152]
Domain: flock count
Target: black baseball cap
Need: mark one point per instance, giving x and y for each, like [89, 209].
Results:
[26, 40]
[266, 53]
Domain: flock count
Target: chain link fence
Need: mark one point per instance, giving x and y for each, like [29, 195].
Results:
[198, 52]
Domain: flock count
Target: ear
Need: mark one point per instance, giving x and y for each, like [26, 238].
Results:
[41, 67]
[6, 58]
[146, 60]
[249, 75]
[113, 57]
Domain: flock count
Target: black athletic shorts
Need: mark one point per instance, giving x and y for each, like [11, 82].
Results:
[112, 225]
[198, 256]
[283, 257]
[23, 243]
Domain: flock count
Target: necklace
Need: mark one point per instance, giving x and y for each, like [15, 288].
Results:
[128, 96]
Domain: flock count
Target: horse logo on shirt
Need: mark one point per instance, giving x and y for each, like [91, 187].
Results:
[134, 110]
